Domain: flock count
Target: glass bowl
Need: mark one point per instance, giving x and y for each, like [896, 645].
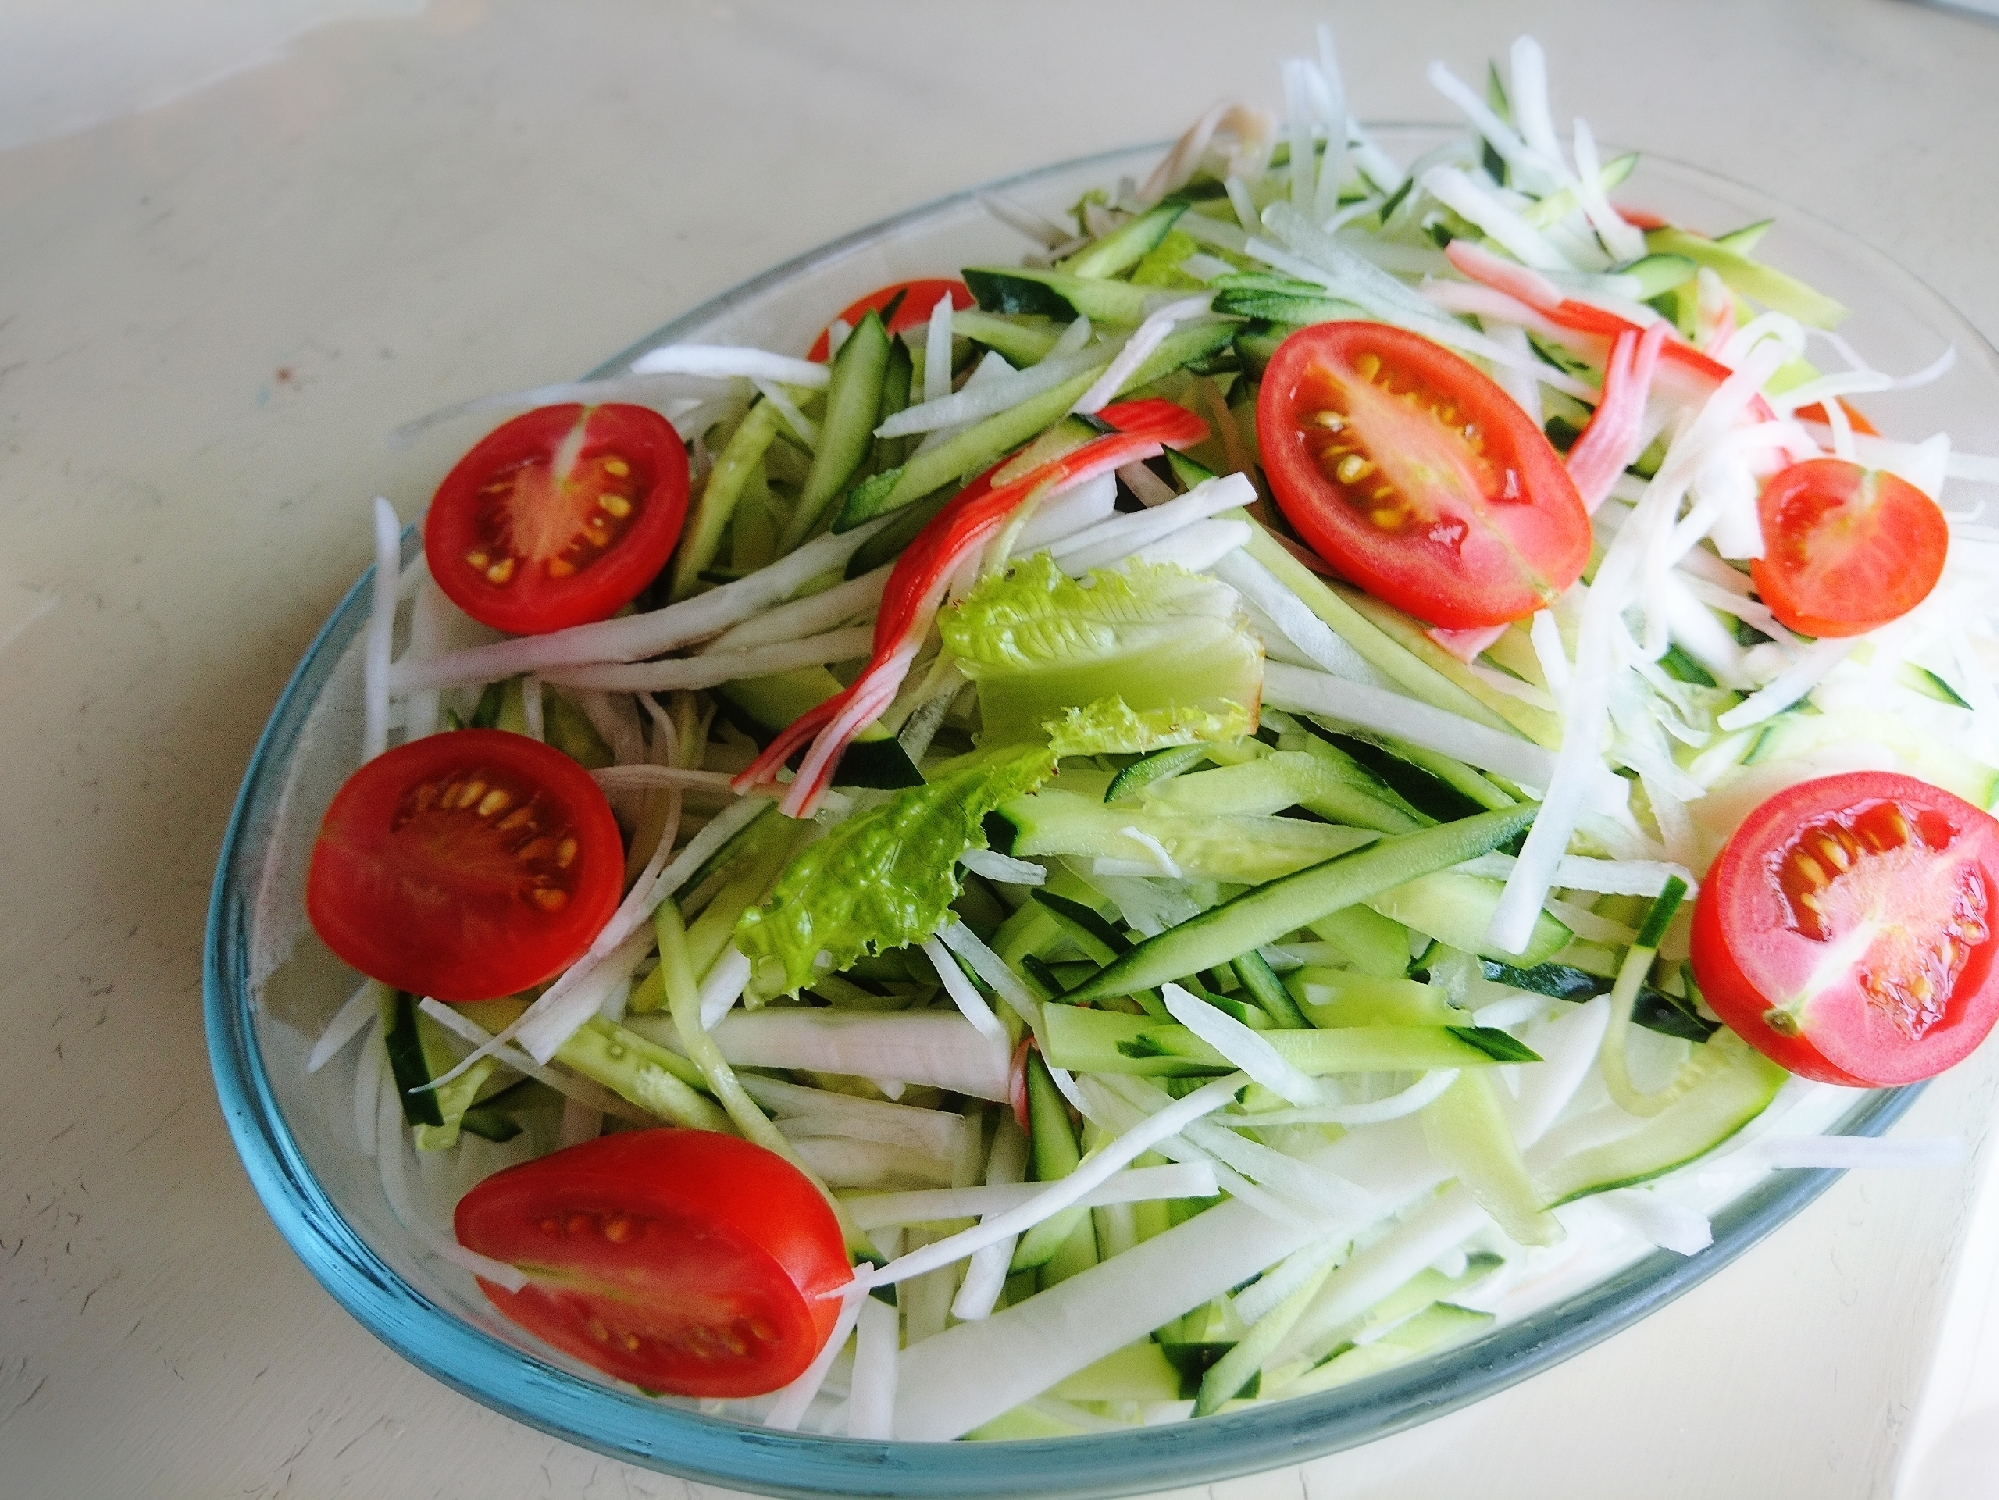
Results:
[270, 987]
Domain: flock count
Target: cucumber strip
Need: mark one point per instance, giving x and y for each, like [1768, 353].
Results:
[1232, 1373]
[1060, 295]
[1055, 1155]
[1260, 983]
[1187, 344]
[1019, 344]
[1266, 913]
[1771, 287]
[1537, 724]
[1456, 909]
[1377, 648]
[1363, 938]
[1654, 1009]
[407, 1062]
[1271, 783]
[1084, 927]
[1125, 246]
[1242, 848]
[897, 378]
[1468, 1132]
[1138, 1372]
[1557, 206]
[701, 538]
[970, 451]
[1660, 273]
[1631, 974]
[846, 431]
[1736, 1086]
[1160, 766]
[1331, 998]
[1105, 1041]
[642, 1071]
[1437, 1327]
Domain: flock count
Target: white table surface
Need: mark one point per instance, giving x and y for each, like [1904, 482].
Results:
[213, 311]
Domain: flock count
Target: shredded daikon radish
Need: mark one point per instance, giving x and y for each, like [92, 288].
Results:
[721, 361]
[381, 622]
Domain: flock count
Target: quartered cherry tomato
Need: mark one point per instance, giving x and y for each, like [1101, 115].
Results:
[465, 865]
[919, 298]
[1417, 477]
[680, 1260]
[1845, 548]
[558, 517]
[1846, 929]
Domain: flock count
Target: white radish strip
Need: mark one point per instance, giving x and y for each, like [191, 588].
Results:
[381, 624]
[1138, 348]
[1528, 245]
[1587, 925]
[937, 352]
[368, 1085]
[1122, 535]
[993, 969]
[1243, 1048]
[877, 1348]
[430, 613]
[800, 618]
[348, 1022]
[1513, 687]
[1243, 204]
[720, 361]
[394, 1170]
[1002, 867]
[1087, 504]
[806, 1114]
[1150, 489]
[1316, 693]
[1132, 1185]
[1624, 241]
[1373, 1112]
[1329, 97]
[532, 722]
[1512, 378]
[970, 1373]
[1291, 615]
[935, 1048]
[648, 777]
[837, 333]
[796, 1399]
[1847, 1152]
[1298, 133]
[802, 427]
[971, 1004]
[1058, 1195]
[569, 1085]
[1608, 877]
[1658, 1220]
[713, 668]
[1514, 151]
[991, 396]
[1697, 632]
[723, 986]
[1317, 1192]
[1199, 547]
[1038, 227]
[1546, 637]
[1527, 92]
[1296, 1270]
[551, 1020]
[1162, 862]
[986, 1272]
[643, 635]
[1818, 659]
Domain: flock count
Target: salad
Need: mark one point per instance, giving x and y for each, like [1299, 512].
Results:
[1176, 823]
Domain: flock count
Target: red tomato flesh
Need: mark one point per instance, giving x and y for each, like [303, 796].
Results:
[558, 517]
[465, 866]
[919, 299]
[1845, 548]
[1417, 477]
[1845, 930]
[679, 1260]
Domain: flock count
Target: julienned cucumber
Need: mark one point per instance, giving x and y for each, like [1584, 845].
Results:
[1126, 245]
[1268, 912]
[1061, 295]
[1104, 1041]
[846, 432]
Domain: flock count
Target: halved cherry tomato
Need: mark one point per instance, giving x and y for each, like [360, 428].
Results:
[1846, 930]
[1417, 477]
[919, 298]
[465, 865]
[558, 517]
[680, 1260]
[1845, 548]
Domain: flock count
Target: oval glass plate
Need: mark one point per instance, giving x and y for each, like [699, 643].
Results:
[270, 987]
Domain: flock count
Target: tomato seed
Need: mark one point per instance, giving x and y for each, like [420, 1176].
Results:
[493, 802]
[617, 468]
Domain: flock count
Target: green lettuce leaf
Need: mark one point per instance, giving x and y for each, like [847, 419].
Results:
[882, 878]
[1125, 660]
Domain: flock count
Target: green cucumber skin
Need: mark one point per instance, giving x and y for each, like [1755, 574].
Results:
[1454, 909]
[1057, 294]
[1126, 245]
[1106, 1041]
[846, 432]
[1268, 912]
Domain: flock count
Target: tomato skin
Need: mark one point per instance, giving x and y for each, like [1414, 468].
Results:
[919, 298]
[1921, 871]
[1845, 548]
[518, 550]
[679, 1260]
[1459, 532]
[471, 902]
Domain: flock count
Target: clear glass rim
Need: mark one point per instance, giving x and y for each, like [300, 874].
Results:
[738, 1456]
